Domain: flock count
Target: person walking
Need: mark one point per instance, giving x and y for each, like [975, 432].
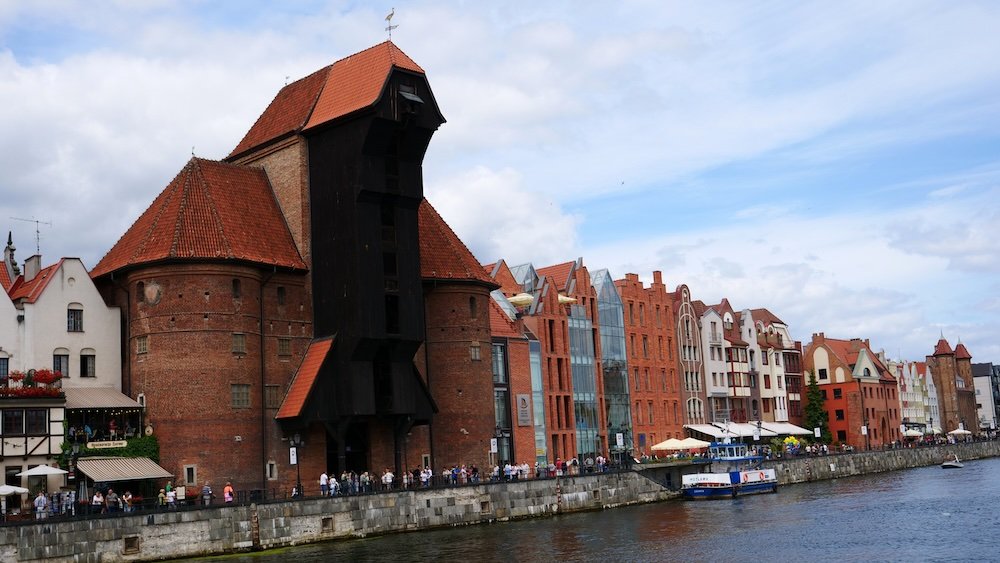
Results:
[206, 494]
[228, 493]
[41, 506]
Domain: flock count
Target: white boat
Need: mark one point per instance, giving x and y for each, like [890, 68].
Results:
[740, 476]
[952, 464]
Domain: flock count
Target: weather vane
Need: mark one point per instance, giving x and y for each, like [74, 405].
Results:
[390, 27]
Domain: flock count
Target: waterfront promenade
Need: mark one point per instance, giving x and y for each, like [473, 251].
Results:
[227, 529]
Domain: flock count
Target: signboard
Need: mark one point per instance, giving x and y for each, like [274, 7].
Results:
[493, 445]
[523, 409]
[107, 444]
[620, 440]
[817, 432]
[756, 434]
[293, 456]
[864, 430]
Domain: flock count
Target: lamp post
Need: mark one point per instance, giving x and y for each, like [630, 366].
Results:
[293, 455]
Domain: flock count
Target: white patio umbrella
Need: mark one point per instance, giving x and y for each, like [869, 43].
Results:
[960, 432]
[42, 470]
[694, 443]
[6, 491]
[671, 445]
[911, 433]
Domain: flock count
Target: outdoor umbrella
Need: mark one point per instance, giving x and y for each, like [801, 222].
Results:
[6, 491]
[42, 470]
[911, 433]
[694, 443]
[960, 432]
[671, 444]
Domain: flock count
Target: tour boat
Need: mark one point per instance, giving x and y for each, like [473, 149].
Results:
[952, 464]
[742, 475]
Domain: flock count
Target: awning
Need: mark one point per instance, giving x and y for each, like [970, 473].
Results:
[98, 398]
[105, 469]
[713, 431]
[786, 428]
[744, 429]
[305, 378]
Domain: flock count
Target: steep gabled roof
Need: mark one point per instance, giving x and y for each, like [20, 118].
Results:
[5, 281]
[766, 317]
[500, 323]
[305, 378]
[961, 353]
[560, 273]
[210, 211]
[30, 291]
[500, 273]
[942, 348]
[443, 256]
[348, 85]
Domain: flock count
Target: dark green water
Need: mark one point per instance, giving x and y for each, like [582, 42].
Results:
[926, 514]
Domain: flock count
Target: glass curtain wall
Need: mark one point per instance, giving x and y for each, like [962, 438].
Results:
[538, 401]
[614, 365]
[581, 360]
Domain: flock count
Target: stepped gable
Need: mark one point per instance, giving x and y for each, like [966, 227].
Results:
[443, 256]
[961, 353]
[349, 85]
[210, 211]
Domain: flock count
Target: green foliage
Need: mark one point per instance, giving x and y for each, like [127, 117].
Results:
[815, 410]
[142, 446]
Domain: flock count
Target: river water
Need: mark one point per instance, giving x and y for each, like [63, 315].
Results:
[926, 514]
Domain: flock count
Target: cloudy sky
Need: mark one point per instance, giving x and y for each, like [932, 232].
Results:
[835, 162]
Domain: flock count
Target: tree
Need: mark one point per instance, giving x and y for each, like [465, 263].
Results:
[815, 410]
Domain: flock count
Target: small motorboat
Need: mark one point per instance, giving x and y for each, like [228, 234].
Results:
[952, 464]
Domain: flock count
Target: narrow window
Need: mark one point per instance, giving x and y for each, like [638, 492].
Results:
[237, 289]
[240, 395]
[190, 474]
[474, 352]
[281, 295]
[88, 365]
[60, 363]
[141, 345]
[74, 320]
[272, 396]
[140, 292]
[239, 343]
[284, 346]
[473, 307]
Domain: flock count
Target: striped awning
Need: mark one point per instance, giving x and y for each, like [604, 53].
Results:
[106, 469]
[98, 398]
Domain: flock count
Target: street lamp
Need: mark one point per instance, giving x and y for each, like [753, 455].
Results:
[293, 455]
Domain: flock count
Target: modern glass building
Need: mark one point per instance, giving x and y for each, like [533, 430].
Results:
[581, 361]
[614, 365]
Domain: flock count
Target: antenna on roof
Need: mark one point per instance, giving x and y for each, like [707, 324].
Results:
[38, 233]
[286, 79]
[390, 27]
[192, 150]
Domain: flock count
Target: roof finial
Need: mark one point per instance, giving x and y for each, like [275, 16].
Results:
[390, 27]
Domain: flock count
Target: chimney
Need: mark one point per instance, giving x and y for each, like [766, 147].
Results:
[32, 266]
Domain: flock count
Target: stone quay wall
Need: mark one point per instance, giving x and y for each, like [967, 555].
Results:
[153, 536]
[816, 468]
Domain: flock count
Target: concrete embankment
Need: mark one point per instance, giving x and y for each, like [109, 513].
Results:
[162, 535]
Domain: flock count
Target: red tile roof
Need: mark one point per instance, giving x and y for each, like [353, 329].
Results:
[942, 348]
[5, 280]
[443, 256]
[500, 323]
[305, 378]
[501, 274]
[348, 85]
[961, 353]
[847, 351]
[356, 82]
[210, 211]
[287, 112]
[30, 291]
[766, 317]
[558, 272]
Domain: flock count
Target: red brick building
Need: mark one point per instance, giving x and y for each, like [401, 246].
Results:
[657, 405]
[858, 390]
[306, 287]
[952, 374]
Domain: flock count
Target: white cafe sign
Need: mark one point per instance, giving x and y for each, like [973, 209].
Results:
[108, 444]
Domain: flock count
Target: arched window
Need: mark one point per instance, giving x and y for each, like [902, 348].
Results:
[74, 318]
[237, 289]
[868, 372]
[140, 292]
[473, 307]
[60, 361]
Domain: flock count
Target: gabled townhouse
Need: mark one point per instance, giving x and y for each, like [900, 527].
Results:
[987, 392]
[859, 393]
[779, 362]
[62, 325]
[690, 358]
[657, 405]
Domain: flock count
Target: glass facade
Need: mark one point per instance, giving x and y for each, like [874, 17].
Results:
[614, 365]
[538, 401]
[581, 361]
[501, 405]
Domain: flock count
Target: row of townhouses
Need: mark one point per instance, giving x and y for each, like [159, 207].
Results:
[303, 293]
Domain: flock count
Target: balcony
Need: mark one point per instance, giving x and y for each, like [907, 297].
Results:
[715, 338]
[35, 384]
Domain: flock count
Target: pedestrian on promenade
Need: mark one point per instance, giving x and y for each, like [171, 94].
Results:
[112, 500]
[127, 501]
[324, 484]
[161, 499]
[97, 503]
[172, 499]
[228, 493]
[41, 506]
[206, 494]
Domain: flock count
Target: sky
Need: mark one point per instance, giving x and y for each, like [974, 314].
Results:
[837, 163]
